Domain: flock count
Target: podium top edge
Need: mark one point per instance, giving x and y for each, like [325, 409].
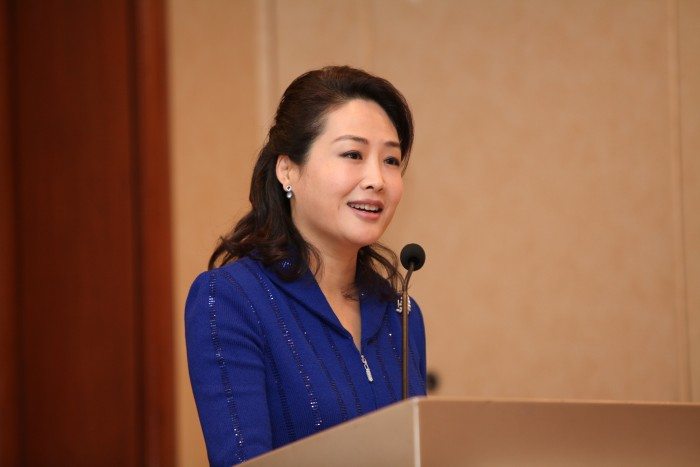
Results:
[508, 400]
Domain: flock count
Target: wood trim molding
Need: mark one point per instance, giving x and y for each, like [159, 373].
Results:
[152, 198]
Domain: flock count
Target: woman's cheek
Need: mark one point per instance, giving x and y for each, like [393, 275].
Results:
[398, 191]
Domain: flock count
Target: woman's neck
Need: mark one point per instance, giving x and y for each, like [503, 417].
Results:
[336, 277]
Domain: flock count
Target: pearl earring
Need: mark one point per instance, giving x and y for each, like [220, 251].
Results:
[288, 189]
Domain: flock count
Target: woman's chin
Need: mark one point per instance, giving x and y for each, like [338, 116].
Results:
[365, 240]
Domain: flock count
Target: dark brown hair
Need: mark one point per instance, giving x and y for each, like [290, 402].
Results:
[267, 231]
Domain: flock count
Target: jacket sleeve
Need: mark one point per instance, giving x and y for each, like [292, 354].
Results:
[225, 355]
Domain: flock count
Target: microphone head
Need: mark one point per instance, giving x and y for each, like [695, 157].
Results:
[412, 254]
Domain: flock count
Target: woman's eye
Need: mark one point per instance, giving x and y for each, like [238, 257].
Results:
[352, 155]
[393, 161]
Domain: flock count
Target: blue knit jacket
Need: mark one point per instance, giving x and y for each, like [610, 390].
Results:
[270, 362]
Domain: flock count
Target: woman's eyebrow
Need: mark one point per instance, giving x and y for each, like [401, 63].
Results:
[360, 139]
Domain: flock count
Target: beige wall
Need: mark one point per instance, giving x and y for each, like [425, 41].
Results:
[214, 97]
[555, 180]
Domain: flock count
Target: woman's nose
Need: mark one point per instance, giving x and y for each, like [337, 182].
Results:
[373, 178]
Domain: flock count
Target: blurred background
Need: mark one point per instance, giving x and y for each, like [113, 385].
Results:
[554, 183]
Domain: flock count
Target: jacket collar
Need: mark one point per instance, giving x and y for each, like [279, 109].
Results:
[306, 292]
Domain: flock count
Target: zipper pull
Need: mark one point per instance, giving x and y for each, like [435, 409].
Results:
[367, 370]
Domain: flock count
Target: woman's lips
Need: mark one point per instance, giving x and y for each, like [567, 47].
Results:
[367, 209]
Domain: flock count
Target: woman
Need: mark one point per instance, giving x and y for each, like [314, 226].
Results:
[294, 327]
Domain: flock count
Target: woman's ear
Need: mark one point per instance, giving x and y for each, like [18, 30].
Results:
[284, 169]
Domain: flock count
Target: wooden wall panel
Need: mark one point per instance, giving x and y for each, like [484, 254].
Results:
[9, 419]
[77, 251]
[90, 164]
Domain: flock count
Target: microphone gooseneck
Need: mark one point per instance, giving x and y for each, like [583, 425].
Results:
[412, 258]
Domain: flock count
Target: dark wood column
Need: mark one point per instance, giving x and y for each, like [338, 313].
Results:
[9, 317]
[153, 203]
[91, 243]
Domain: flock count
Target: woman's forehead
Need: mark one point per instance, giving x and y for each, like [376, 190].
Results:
[359, 118]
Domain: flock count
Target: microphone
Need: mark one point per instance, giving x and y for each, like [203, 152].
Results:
[412, 254]
[412, 258]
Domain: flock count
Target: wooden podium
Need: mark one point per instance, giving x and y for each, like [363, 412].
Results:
[465, 432]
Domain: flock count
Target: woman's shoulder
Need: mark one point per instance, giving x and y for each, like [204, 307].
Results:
[222, 278]
[236, 269]
[227, 295]
[221, 306]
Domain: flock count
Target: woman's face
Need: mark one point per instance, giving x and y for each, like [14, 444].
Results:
[347, 191]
